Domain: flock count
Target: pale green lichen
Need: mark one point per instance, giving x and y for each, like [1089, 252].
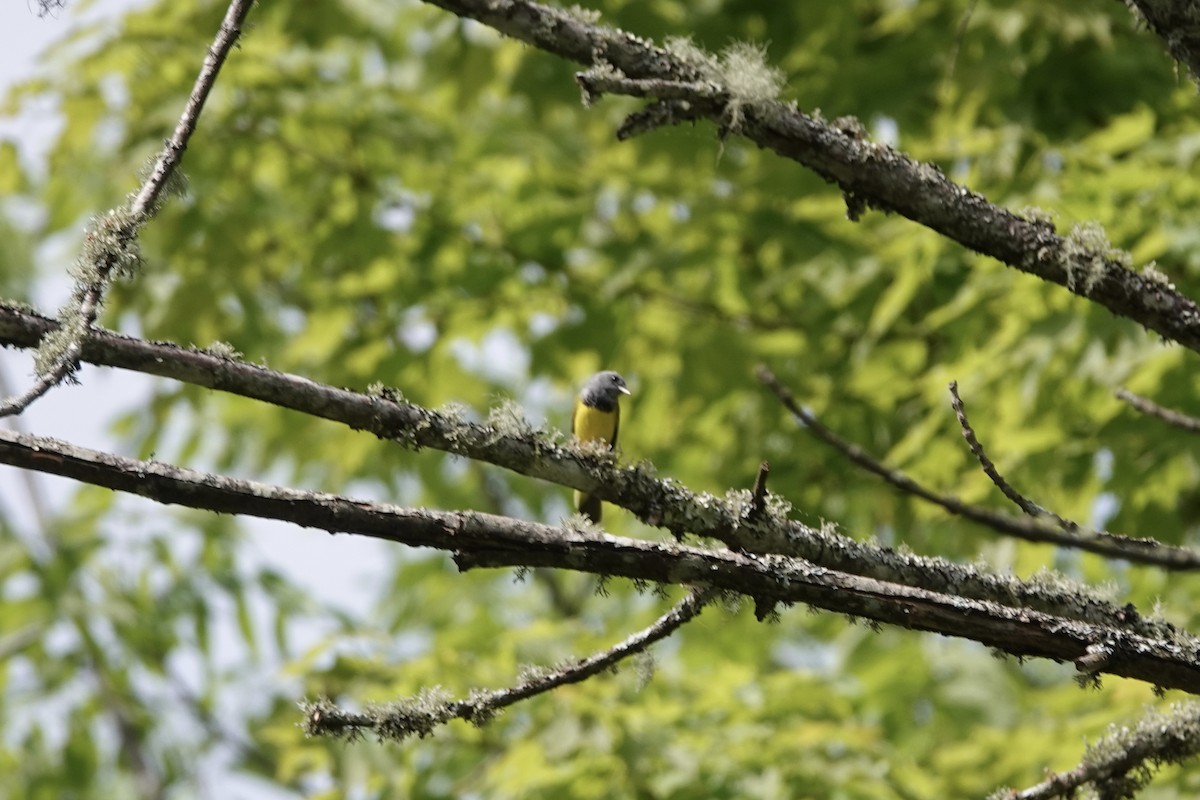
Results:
[696, 57]
[644, 666]
[749, 79]
[1084, 252]
[110, 247]
[1036, 215]
[581, 523]
[740, 70]
[508, 419]
[1152, 273]
[382, 390]
[589, 16]
[454, 412]
[223, 350]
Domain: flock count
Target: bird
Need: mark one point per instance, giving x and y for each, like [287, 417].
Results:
[597, 417]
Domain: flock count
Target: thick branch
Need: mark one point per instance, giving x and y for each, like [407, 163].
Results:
[1178, 25]
[488, 540]
[867, 172]
[662, 503]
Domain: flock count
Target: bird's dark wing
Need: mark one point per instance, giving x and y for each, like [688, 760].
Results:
[616, 425]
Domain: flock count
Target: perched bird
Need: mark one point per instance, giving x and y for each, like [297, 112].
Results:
[597, 417]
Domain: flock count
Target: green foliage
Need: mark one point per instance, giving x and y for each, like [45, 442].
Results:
[381, 194]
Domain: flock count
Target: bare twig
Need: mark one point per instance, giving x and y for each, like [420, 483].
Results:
[758, 498]
[421, 715]
[1167, 415]
[959, 35]
[596, 83]
[1170, 659]
[1025, 504]
[110, 246]
[1138, 550]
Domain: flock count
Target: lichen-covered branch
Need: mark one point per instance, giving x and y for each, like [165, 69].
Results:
[420, 715]
[1177, 23]
[487, 540]
[513, 444]
[110, 245]
[1123, 762]
[868, 173]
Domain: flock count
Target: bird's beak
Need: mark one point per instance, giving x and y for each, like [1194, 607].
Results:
[624, 390]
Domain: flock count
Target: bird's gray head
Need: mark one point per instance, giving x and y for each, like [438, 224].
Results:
[603, 389]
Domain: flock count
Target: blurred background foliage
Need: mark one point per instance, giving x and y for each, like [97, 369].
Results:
[379, 191]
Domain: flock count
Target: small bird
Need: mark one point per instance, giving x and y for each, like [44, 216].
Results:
[597, 417]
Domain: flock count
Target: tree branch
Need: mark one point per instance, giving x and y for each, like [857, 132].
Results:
[868, 173]
[485, 540]
[1121, 763]
[110, 244]
[1175, 22]
[1151, 409]
[1139, 550]
[989, 468]
[419, 716]
[661, 503]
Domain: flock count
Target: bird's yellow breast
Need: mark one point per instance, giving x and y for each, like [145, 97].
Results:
[592, 423]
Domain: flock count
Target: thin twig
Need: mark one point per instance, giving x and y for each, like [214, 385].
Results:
[598, 82]
[1152, 409]
[1024, 503]
[110, 245]
[421, 715]
[956, 45]
[1138, 550]
[758, 497]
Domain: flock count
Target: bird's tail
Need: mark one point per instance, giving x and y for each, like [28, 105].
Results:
[588, 505]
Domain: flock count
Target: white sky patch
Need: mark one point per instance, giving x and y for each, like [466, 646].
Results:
[885, 130]
[498, 357]
[417, 331]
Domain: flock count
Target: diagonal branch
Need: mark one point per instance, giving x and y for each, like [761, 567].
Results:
[1142, 551]
[661, 503]
[868, 173]
[421, 715]
[486, 540]
[1121, 763]
[989, 468]
[1174, 21]
[110, 245]
[1151, 409]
